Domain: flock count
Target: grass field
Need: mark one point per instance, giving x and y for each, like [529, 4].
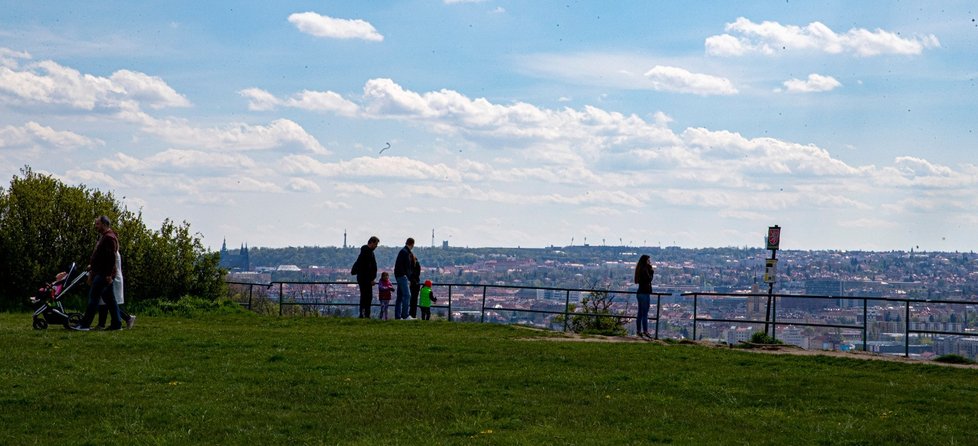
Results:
[237, 379]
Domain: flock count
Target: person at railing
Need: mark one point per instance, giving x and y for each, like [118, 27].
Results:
[402, 268]
[425, 298]
[414, 278]
[365, 268]
[643, 277]
[384, 289]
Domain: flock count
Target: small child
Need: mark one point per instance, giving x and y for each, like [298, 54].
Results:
[425, 298]
[384, 288]
[50, 290]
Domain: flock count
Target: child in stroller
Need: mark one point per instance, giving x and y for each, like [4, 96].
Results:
[49, 309]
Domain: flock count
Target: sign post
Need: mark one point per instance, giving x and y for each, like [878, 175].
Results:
[770, 275]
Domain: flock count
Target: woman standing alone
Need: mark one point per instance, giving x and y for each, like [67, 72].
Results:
[643, 277]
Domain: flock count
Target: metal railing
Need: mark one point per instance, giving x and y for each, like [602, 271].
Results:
[864, 327]
[346, 294]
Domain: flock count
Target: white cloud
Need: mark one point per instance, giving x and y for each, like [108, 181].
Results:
[9, 57]
[260, 100]
[48, 83]
[180, 160]
[674, 79]
[387, 167]
[814, 83]
[358, 189]
[278, 134]
[448, 111]
[868, 223]
[323, 26]
[33, 134]
[91, 178]
[909, 171]
[150, 90]
[334, 205]
[768, 155]
[770, 38]
[303, 185]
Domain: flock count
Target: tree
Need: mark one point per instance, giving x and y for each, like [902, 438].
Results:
[595, 315]
[46, 225]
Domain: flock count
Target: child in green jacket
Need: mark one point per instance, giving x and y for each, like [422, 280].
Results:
[425, 298]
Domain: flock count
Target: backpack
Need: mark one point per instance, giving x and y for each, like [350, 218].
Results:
[353, 270]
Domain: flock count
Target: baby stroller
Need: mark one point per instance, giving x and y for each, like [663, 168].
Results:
[48, 300]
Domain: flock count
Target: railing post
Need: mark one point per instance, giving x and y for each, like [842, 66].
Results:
[774, 318]
[906, 332]
[483, 312]
[658, 305]
[695, 300]
[449, 303]
[281, 294]
[865, 322]
[566, 309]
[251, 287]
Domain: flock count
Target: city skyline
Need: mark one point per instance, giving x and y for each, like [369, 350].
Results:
[501, 123]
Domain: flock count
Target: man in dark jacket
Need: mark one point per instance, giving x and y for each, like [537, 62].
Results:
[365, 268]
[402, 269]
[414, 279]
[101, 271]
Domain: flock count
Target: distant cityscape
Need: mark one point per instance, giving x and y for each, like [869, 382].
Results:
[849, 277]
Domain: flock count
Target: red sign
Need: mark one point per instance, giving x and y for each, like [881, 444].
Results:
[773, 237]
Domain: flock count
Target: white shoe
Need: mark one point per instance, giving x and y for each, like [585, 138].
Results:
[130, 322]
[409, 318]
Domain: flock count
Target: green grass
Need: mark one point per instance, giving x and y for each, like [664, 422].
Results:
[235, 379]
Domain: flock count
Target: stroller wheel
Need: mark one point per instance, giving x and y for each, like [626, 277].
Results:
[40, 324]
[74, 319]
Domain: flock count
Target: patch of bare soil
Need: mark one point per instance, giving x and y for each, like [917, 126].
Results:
[771, 349]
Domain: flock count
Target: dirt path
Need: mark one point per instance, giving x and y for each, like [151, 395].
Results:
[759, 349]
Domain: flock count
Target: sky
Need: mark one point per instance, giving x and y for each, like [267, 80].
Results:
[851, 125]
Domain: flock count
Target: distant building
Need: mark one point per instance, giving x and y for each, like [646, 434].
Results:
[819, 287]
[794, 336]
[736, 335]
[234, 262]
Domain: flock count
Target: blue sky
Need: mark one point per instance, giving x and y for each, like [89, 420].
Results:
[698, 124]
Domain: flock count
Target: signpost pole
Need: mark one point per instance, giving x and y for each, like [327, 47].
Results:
[770, 276]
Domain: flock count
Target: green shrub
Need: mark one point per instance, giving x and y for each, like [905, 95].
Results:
[762, 338]
[46, 225]
[595, 316]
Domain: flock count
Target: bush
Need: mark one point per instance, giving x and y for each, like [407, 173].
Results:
[46, 225]
[761, 338]
[595, 316]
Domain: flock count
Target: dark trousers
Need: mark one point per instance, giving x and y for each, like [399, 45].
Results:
[425, 313]
[101, 291]
[415, 292]
[103, 311]
[366, 298]
[642, 319]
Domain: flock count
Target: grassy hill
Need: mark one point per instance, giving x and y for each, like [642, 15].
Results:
[237, 379]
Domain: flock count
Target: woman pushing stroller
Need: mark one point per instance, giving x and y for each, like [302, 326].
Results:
[102, 272]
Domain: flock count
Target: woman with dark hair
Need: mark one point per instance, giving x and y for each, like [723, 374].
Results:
[643, 277]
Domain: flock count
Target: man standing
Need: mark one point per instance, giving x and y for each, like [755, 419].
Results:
[402, 268]
[101, 271]
[365, 268]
